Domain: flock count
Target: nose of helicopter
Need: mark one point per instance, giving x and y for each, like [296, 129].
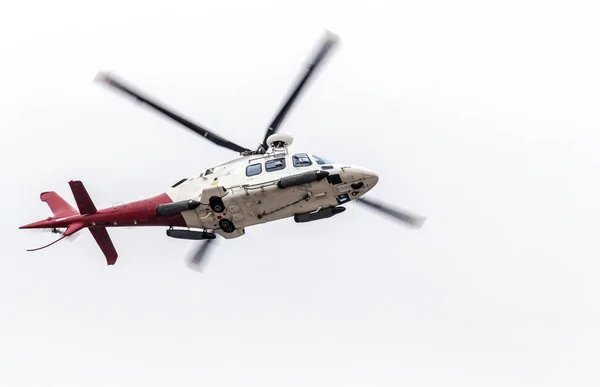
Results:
[370, 177]
[360, 180]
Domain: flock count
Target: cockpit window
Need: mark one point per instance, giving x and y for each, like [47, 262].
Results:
[322, 161]
[301, 160]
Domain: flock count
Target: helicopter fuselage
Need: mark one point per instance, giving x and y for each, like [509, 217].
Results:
[252, 193]
[251, 190]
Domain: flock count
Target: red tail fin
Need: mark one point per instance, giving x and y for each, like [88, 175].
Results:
[101, 236]
[84, 202]
[59, 207]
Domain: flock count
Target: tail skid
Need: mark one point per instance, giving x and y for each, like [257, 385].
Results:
[72, 229]
[62, 209]
[49, 244]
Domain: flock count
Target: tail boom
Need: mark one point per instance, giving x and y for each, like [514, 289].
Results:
[138, 213]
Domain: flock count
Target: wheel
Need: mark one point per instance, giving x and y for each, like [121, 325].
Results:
[216, 204]
[226, 225]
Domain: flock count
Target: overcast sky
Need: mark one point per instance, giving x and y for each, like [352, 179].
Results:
[481, 116]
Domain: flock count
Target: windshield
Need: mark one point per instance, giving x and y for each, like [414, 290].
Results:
[321, 161]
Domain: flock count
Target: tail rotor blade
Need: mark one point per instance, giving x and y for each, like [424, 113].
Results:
[400, 215]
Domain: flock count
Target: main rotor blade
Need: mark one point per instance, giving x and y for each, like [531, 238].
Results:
[403, 216]
[199, 260]
[326, 45]
[121, 86]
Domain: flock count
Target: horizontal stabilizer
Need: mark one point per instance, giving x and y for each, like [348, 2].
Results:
[84, 202]
[101, 236]
[59, 207]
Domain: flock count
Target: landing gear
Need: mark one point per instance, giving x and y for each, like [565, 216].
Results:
[226, 225]
[216, 204]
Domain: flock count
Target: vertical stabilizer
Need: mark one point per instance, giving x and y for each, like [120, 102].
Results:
[82, 198]
[59, 206]
[101, 236]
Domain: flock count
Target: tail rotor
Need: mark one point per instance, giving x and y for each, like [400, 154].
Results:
[56, 231]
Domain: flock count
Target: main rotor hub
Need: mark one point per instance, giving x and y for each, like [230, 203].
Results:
[280, 140]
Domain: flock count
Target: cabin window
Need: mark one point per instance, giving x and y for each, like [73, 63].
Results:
[275, 165]
[301, 160]
[254, 169]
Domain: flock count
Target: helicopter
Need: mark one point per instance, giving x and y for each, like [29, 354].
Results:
[261, 185]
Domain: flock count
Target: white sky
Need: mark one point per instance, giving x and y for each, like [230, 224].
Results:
[482, 116]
